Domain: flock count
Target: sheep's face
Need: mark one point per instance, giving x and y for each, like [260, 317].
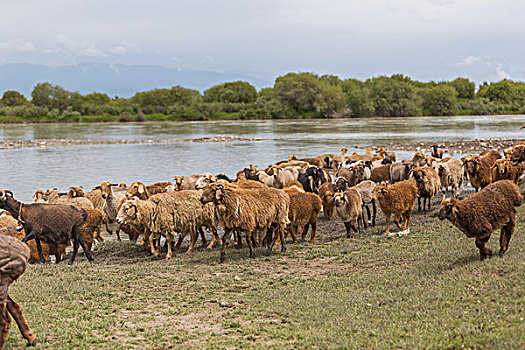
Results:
[202, 183]
[340, 184]
[39, 194]
[76, 192]
[135, 189]
[339, 199]
[418, 175]
[327, 162]
[3, 198]
[128, 212]
[448, 208]
[501, 166]
[380, 190]
[441, 170]
[311, 171]
[518, 155]
[328, 196]
[178, 181]
[212, 193]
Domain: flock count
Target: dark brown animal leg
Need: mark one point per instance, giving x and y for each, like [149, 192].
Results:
[75, 251]
[305, 230]
[429, 203]
[506, 234]
[39, 248]
[87, 252]
[239, 240]
[214, 237]
[16, 311]
[348, 227]
[203, 237]
[179, 242]
[360, 223]
[293, 232]
[107, 225]
[483, 251]
[193, 240]
[419, 203]
[117, 231]
[5, 323]
[249, 242]
[374, 212]
[281, 234]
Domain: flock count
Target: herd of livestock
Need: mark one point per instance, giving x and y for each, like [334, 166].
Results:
[282, 201]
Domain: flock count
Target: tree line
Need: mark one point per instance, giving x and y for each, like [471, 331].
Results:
[294, 95]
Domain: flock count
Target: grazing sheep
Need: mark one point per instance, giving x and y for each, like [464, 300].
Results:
[248, 210]
[366, 189]
[303, 212]
[51, 223]
[479, 168]
[504, 169]
[451, 174]
[352, 175]
[479, 214]
[437, 152]
[349, 209]
[428, 185]
[400, 171]
[326, 192]
[381, 173]
[13, 261]
[397, 199]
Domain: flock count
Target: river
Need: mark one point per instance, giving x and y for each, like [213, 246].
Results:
[27, 169]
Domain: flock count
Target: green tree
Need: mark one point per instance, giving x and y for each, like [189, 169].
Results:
[464, 87]
[233, 92]
[357, 97]
[51, 96]
[13, 98]
[394, 97]
[439, 100]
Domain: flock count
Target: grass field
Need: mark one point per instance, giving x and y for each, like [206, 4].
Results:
[424, 290]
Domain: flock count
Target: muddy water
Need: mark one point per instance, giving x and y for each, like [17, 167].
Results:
[27, 169]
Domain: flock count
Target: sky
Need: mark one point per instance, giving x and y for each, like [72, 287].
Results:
[424, 39]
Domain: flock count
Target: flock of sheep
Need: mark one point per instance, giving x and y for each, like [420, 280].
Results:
[265, 206]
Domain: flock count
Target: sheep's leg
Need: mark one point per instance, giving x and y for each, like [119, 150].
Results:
[374, 212]
[348, 227]
[268, 238]
[223, 247]
[483, 251]
[419, 204]
[5, 323]
[168, 242]
[193, 240]
[214, 237]
[305, 230]
[117, 231]
[203, 237]
[179, 242]
[87, 251]
[75, 251]
[40, 253]
[255, 241]
[249, 242]
[396, 220]
[407, 219]
[16, 311]
[152, 245]
[387, 218]
[239, 240]
[429, 203]
[281, 234]
[360, 223]
[506, 234]
[107, 226]
[293, 232]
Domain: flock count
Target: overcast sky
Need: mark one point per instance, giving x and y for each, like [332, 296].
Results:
[425, 39]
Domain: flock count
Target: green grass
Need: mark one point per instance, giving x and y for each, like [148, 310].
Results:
[424, 290]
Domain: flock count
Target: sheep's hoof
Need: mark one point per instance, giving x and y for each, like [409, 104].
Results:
[221, 259]
[349, 235]
[268, 252]
[283, 250]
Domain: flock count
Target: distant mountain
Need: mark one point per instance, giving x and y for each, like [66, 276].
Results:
[114, 79]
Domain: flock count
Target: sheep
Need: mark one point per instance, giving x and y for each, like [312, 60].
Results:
[504, 169]
[39, 197]
[51, 223]
[95, 196]
[381, 173]
[112, 201]
[518, 154]
[349, 209]
[479, 168]
[177, 180]
[8, 227]
[248, 210]
[284, 175]
[428, 185]
[51, 196]
[338, 159]
[317, 161]
[14, 256]
[479, 214]
[369, 154]
[326, 192]
[294, 187]
[400, 171]
[303, 211]
[387, 157]
[352, 175]
[137, 189]
[189, 182]
[421, 159]
[159, 187]
[437, 152]
[451, 174]
[90, 229]
[397, 199]
[366, 189]
[166, 214]
[268, 180]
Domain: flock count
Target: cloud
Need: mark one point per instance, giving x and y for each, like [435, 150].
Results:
[119, 50]
[469, 60]
[92, 51]
[501, 73]
[17, 45]
[82, 48]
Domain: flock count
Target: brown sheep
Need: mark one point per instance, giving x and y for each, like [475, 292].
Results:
[245, 210]
[518, 154]
[54, 197]
[451, 174]
[504, 169]
[326, 192]
[381, 173]
[177, 180]
[400, 171]
[479, 168]
[366, 190]
[428, 185]
[397, 199]
[349, 209]
[39, 197]
[303, 212]
[481, 213]
[90, 229]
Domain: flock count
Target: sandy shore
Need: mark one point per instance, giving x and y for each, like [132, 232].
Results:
[454, 147]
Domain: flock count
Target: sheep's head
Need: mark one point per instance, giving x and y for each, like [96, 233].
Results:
[518, 155]
[3, 197]
[328, 196]
[341, 184]
[448, 209]
[39, 194]
[327, 162]
[339, 199]
[137, 189]
[441, 170]
[212, 193]
[105, 188]
[471, 163]
[344, 150]
[418, 174]
[75, 192]
[128, 212]
[501, 166]
[312, 171]
[380, 190]
[50, 193]
[202, 182]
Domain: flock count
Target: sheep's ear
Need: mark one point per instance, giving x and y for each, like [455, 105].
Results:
[141, 189]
